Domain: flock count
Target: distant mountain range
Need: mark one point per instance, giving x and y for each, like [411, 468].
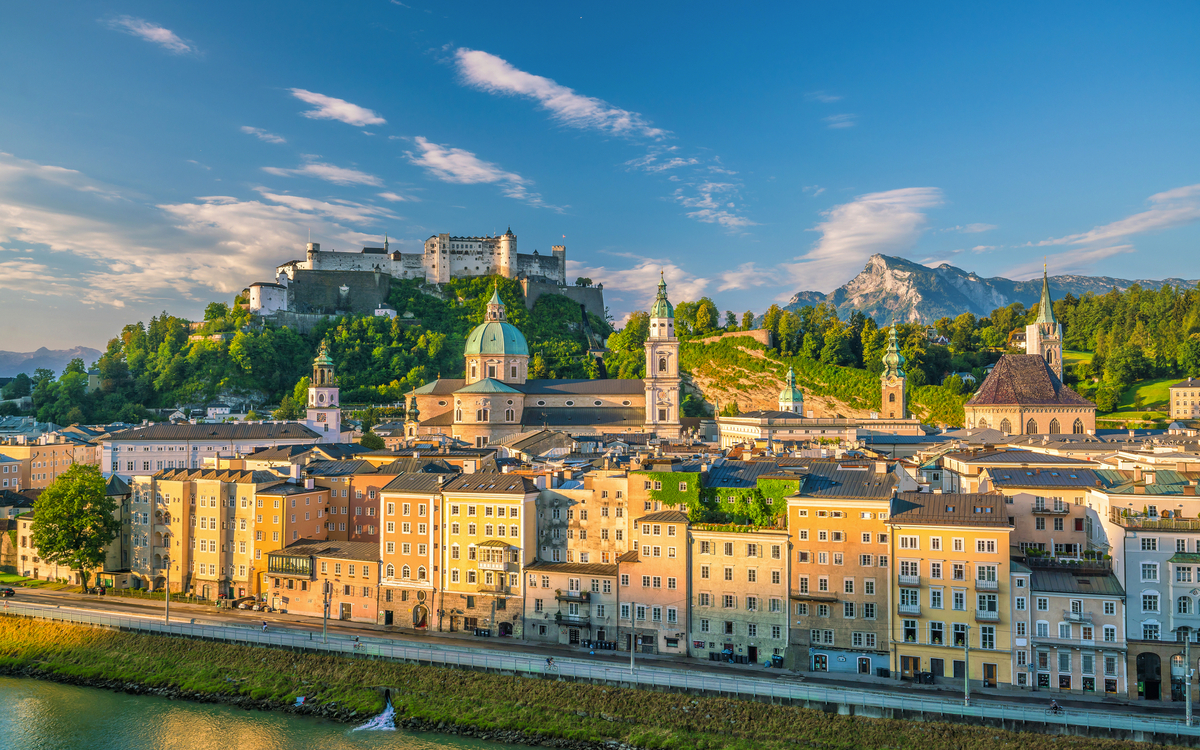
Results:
[12, 363]
[911, 292]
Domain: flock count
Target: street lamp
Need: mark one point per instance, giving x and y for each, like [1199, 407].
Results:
[167, 592]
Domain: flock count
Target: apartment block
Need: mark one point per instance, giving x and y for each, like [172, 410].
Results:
[410, 551]
[305, 575]
[653, 579]
[571, 603]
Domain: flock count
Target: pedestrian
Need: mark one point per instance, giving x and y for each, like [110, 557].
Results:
[264, 626]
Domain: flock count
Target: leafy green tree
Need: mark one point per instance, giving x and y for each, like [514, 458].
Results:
[954, 384]
[216, 311]
[1189, 357]
[372, 441]
[583, 281]
[748, 321]
[21, 385]
[787, 332]
[1107, 399]
[731, 323]
[771, 319]
[300, 391]
[704, 320]
[75, 520]
[730, 409]
[288, 409]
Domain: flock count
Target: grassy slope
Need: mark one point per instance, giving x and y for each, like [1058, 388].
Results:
[730, 364]
[1071, 356]
[11, 579]
[1155, 397]
[570, 710]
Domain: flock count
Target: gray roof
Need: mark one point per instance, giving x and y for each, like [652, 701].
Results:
[846, 479]
[240, 476]
[537, 441]
[664, 516]
[1017, 457]
[490, 483]
[422, 483]
[366, 551]
[224, 431]
[1043, 478]
[1066, 582]
[340, 468]
[116, 487]
[615, 386]
[739, 473]
[1189, 383]
[1025, 379]
[949, 509]
[418, 465]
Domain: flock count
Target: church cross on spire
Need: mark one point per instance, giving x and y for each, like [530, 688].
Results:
[1045, 305]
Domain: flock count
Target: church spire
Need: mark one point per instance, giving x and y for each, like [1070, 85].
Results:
[496, 312]
[662, 306]
[893, 360]
[1046, 305]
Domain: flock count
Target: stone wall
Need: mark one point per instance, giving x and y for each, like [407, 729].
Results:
[321, 292]
[591, 297]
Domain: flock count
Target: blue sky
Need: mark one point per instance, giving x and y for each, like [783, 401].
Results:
[162, 155]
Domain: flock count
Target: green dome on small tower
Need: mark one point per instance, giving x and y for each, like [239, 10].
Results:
[323, 359]
[496, 335]
[662, 306]
[893, 360]
[791, 398]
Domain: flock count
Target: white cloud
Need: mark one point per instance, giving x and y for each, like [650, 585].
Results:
[328, 172]
[1173, 208]
[462, 167]
[980, 249]
[886, 222]
[104, 249]
[1070, 261]
[841, 121]
[494, 75]
[262, 135]
[821, 96]
[330, 108]
[711, 205]
[395, 197]
[629, 289]
[814, 190]
[651, 163]
[152, 33]
[747, 275]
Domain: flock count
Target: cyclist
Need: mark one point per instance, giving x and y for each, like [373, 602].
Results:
[549, 662]
[264, 626]
[1054, 707]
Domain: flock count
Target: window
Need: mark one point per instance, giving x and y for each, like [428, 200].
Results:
[848, 610]
[1149, 571]
[1150, 631]
[935, 598]
[1110, 633]
[985, 545]
[1110, 608]
[1149, 602]
[909, 542]
[1149, 544]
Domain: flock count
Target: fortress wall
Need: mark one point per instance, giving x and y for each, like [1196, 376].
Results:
[319, 291]
[592, 298]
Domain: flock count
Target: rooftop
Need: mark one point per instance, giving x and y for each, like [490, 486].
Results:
[584, 569]
[365, 551]
[664, 516]
[224, 431]
[421, 483]
[846, 479]
[966, 509]
[488, 483]
[239, 476]
[1066, 582]
[1025, 379]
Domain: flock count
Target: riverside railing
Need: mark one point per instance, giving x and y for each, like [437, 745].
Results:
[733, 684]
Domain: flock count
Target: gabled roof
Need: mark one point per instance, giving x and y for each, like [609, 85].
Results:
[418, 465]
[340, 468]
[1189, 383]
[490, 483]
[664, 516]
[1025, 380]
[846, 479]
[224, 431]
[739, 474]
[949, 509]
[365, 551]
[421, 483]
[240, 476]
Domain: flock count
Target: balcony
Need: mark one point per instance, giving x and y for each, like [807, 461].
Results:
[982, 585]
[573, 596]
[493, 565]
[987, 615]
[909, 580]
[1082, 617]
[1051, 511]
[909, 609]
[583, 620]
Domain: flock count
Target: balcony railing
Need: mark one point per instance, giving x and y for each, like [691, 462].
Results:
[910, 580]
[1052, 510]
[1082, 566]
[492, 565]
[573, 596]
[985, 585]
[909, 609]
[565, 619]
[1084, 617]
[987, 615]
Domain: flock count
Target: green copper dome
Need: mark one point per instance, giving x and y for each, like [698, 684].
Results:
[496, 335]
[791, 394]
[323, 359]
[893, 360]
[662, 307]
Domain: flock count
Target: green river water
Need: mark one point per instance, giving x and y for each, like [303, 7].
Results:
[39, 715]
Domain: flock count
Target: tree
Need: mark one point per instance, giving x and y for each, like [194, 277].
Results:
[372, 441]
[20, 386]
[583, 281]
[771, 319]
[954, 384]
[730, 320]
[704, 319]
[747, 321]
[75, 520]
[1189, 357]
[370, 418]
[1107, 399]
[288, 409]
[216, 311]
[252, 416]
[300, 392]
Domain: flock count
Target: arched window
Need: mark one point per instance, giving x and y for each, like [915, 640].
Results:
[391, 571]
[662, 364]
[411, 432]
[421, 573]
[406, 572]
[508, 415]
[458, 415]
[472, 370]
[1054, 428]
[1183, 605]
[891, 398]
[1077, 428]
[1031, 427]
[983, 424]
[1005, 426]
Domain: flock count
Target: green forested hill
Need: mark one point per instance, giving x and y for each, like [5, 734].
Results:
[377, 359]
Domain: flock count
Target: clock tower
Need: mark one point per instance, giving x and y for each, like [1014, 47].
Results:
[324, 412]
[662, 368]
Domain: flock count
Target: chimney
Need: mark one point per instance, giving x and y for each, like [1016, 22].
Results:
[441, 479]
[308, 483]
[295, 473]
[1137, 473]
[881, 467]
[1189, 490]
[1139, 490]
[416, 454]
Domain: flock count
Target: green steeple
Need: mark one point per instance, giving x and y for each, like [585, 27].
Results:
[1046, 305]
[323, 359]
[662, 308]
[791, 394]
[893, 360]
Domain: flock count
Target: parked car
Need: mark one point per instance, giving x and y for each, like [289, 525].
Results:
[7, 592]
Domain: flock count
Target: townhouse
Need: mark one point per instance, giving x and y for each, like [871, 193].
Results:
[1048, 508]
[28, 560]
[966, 467]
[654, 585]
[309, 574]
[573, 604]
[490, 535]
[739, 593]
[839, 589]
[38, 463]
[410, 551]
[951, 587]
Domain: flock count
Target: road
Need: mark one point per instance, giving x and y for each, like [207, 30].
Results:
[464, 644]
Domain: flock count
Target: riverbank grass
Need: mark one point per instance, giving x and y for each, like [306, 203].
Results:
[465, 699]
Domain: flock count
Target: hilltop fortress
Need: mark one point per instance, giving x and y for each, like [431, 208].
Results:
[330, 283]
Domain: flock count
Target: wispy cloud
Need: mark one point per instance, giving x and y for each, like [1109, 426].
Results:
[495, 75]
[886, 222]
[980, 249]
[331, 108]
[846, 120]
[712, 204]
[970, 228]
[328, 172]
[813, 190]
[395, 197]
[1070, 261]
[821, 96]
[652, 162]
[151, 32]
[262, 135]
[1173, 208]
[745, 276]
[634, 288]
[462, 167]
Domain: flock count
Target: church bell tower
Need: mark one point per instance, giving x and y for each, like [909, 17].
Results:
[1044, 335]
[662, 368]
[324, 412]
[893, 381]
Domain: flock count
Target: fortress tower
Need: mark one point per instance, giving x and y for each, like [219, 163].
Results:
[507, 257]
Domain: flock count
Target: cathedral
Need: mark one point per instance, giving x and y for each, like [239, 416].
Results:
[497, 398]
[1024, 394]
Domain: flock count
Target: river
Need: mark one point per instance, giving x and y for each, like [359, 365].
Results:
[39, 715]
